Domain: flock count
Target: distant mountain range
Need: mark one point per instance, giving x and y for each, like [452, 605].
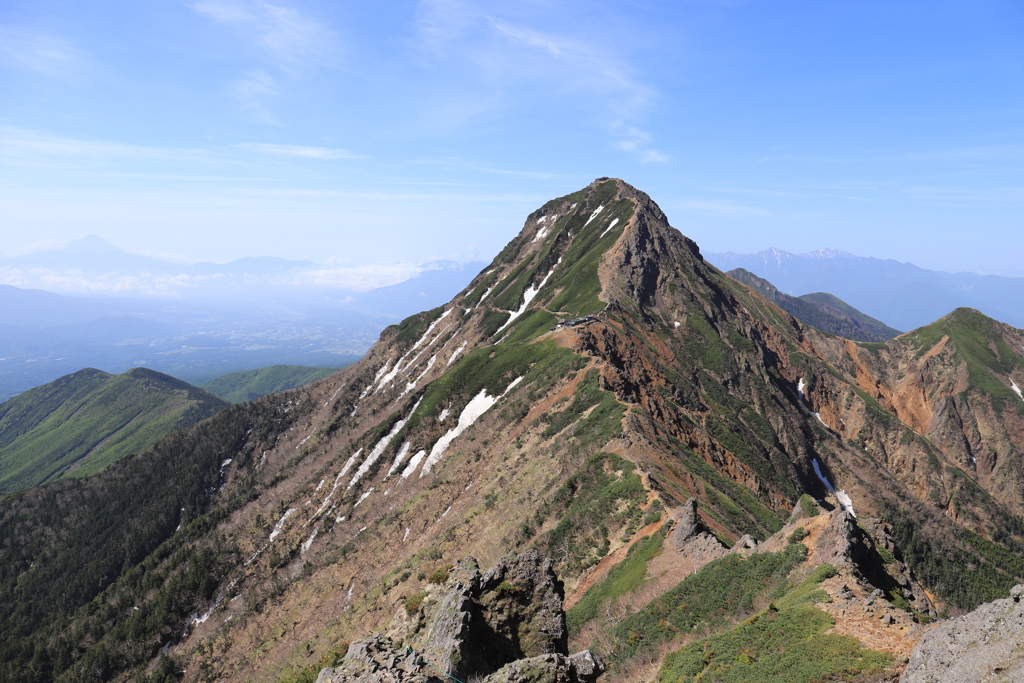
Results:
[80, 423]
[249, 313]
[901, 294]
[822, 310]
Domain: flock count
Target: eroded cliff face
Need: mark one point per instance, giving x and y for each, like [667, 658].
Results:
[959, 421]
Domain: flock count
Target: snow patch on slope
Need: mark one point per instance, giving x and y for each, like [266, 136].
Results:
[844, 499]
[528, 296]
[364, 496]
[485, 295]
[280, 523]
[308, 542]
[609, 228]
[479, 405]
[455, 354]
[402, 452]
[594, 215]
[412, 385]
[379, 448]
[800, 386]
[1016, 390]
[413, 464]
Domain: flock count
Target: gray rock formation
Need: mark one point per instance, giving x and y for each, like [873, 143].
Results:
[692, 538]
[377, 660]
[984, 646]
[865, 547]
[506, 625]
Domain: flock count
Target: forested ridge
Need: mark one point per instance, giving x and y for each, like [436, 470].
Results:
[87, 535]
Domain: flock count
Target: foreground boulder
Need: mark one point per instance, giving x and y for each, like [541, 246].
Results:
[505, 626]
[984, 645]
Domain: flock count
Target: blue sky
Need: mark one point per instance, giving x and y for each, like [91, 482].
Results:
[395, 132]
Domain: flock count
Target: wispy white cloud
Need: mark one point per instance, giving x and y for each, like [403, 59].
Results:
[326, 153]
[966, 196]
[638, 142]
[292, 41]
[252, 93]
[316, 279]
[42, 53]
[507, 46]
[26, 146]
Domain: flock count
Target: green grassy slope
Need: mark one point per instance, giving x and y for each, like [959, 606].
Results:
[239, 387]
[82, 422]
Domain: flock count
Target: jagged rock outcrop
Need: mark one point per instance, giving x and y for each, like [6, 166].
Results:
[864, 547]
[692, 538]
[377, 660]
[506, 625]
[984, 646]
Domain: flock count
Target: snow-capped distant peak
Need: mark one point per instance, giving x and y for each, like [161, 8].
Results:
[828, 252]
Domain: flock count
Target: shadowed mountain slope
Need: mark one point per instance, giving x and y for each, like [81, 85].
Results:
[80, 423]
[590, 381]
[820, 310]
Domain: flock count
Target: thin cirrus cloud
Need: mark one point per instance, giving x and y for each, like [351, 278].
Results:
[326, 153]
[289, 44]
[289, 40]
[505, 51]
[41, 53]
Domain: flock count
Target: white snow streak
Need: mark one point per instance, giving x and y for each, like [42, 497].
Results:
[845, 502]
[379, 448]
[844, 499]
[413, 464]
[308, 542]
[364, 496]
[443, 415]
[470, 414]
[677, 323]
[388, 378]
[320, 485]
[1016, 389]
[335, 394]
[593, 215]
[456, 353]
[800, 388]
[376, 378]
[821, 477]
[399, 457]
[485, 295]
[406, 535]
[528, 296]
[818, 415]
[412, 385]
[540, 234]
[337, 483]
[430, 328]
[280, 523]
[609, 228]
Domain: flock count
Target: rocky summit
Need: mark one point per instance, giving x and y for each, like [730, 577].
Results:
[660, 467]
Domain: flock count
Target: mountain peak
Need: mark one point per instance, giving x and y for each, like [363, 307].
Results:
[92, 243]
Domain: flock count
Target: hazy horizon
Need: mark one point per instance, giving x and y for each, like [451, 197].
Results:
[210, 130]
